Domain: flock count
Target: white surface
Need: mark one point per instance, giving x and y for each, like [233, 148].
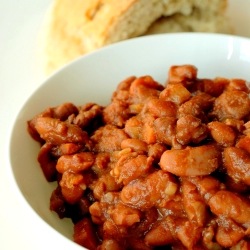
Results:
[19, 76]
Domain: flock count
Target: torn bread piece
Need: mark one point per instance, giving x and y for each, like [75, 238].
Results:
[74, 28]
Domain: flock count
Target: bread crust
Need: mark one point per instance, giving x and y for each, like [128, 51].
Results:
[74, 28]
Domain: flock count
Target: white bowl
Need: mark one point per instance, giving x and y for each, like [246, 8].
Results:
[95, 76]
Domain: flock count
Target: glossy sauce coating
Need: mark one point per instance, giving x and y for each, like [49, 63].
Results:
[160, 167]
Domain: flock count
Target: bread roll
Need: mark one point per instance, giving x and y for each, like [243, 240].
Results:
[74, 28]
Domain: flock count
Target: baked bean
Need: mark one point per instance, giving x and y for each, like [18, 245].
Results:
[223, 134]
[63, 111]
[159, 167]
[133, 127]
[231, 205]
[160, 108]
[196, 106]
[237, 163]
[68, 149]
[75, 163]
[135, 144]
[58, 132]
[232, 104]
[191, 161]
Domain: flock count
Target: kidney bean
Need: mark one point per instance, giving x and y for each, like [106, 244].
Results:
[191, 161]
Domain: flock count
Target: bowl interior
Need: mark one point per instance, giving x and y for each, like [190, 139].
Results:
[95, 76]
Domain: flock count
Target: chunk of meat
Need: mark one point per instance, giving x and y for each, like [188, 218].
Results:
[108, 139]
[147, 192]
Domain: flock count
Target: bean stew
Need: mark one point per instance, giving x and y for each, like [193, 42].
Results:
[160, 167]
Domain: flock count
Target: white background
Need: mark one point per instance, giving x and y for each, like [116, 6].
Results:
[20, 74]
